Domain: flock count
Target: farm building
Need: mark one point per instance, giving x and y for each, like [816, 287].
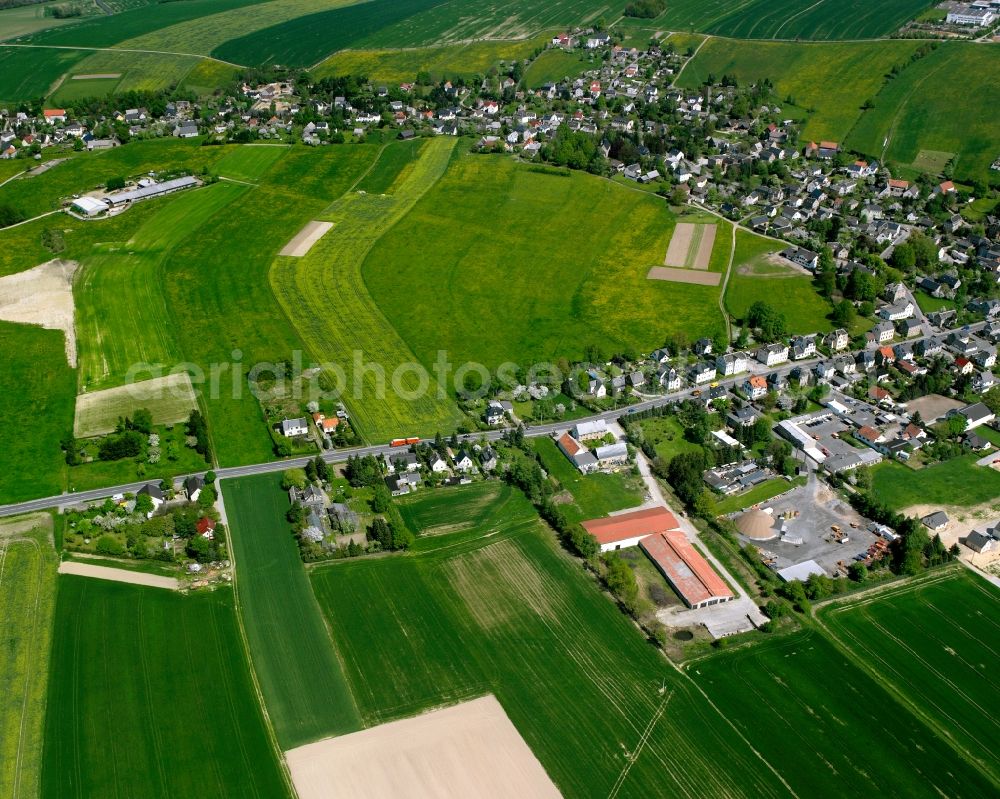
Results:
[690, 575]
[627, 529]
[89, 206]
[581, 457]
[801, 571]
[150, 191]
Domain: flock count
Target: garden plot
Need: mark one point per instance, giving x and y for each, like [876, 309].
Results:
[42, 296]
[684, 276]
[118, 575]
[169, 399]
[690, 246]
[466, 751]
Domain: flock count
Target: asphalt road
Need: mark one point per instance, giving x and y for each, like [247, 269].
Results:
[341, 455]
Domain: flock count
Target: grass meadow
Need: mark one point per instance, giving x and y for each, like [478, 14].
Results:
[169, 400]
[531, 266]
[450, 61]
[30, 74]
[121, 306]
[831, 727]
[955, 482]
[219, 296]
[25, 20]
[554, 65]
[789, 291]
[457, 509]
[149, 72]
[150, 695]
[832, 80]
[301, 676]
[249, 162]
[589, 495]
[789, 19]
[27, 605]
[395, 161]
[325, 296]
[38, 389]
[72, 90]
[500, 609]
[934, 641]
[937, 104]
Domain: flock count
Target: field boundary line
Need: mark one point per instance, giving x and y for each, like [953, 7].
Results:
[122, 50]
[692, 58]
[237, 610]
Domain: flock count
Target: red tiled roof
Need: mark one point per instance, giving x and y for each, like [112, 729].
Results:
[631, 525]
[758, 381]
[899, 184]
[570, 445]
[869, 433]
[689, 573]
[54, 112]
[204, 525]
[829, 145]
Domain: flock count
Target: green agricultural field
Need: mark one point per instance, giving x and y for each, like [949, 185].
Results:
[590, 495]
[72, 90]
[955, 482]
[30, 73]
[147, 72]
[845, 726]
[221, 304]
[500, 609]
[27, 603]
[936, 105]
[555, 64]
[324, 295]
[755, 277]
[833, 80]
[150, 695]
[301, 675]
[38, 388]
[546, 264]
[17, 22]
[454, 510]
[452, 61]
[209, 75]
[169, 399]
[122, 311]
[395, 161]
[789, 19]
[249, 162]
[933, 641]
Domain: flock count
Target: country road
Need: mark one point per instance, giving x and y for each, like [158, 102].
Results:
[339, 456]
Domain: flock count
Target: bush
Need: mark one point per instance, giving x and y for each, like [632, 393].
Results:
[127, 444]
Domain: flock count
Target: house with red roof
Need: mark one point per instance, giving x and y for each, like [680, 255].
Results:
[54, 114]
[205, 527]
[628, 529]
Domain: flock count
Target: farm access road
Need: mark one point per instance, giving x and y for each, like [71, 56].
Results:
[65, 500]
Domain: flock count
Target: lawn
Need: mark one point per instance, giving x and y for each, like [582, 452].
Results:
[222, 309]
[325, 296]
[122, 314]
[150, 695]
[832, 80]
[791, 19]
[761, 493]
[832, 729]
[929, 304]
[755, 278]
[554, 65]
[448, 62]
[936, 104]
[666, 435]
[590, 495]
[300, 674]
[934, 641]
[38, 388]
[955, 482]
[27, 603]
[503, 611]
[530, 267]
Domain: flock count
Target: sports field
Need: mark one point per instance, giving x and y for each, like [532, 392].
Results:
[150, 693]
[791, 19]
[935, 641]
[169, 399]
[499, 609]
[756, 278]
[450, 61]
[300, 673]
[833, 728]
[545, 264]
[27, 604]
[122, 313]
[936, 105]
[831, 79]
[324, 295]
[38, 388]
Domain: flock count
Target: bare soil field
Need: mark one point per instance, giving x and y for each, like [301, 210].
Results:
[684, 276]
[468, 751]
[933, 406]
[680, 244]
[691, 246]
[306, 238]
[961, 522]
[118, 575]
[704, 254]
[16, 525]
[42, 296]
[170, 399]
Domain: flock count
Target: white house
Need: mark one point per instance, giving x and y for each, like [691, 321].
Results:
[153, 491]
[732, 363]
[773, 354]
[294, 427]
[669, 378]
[438, 464]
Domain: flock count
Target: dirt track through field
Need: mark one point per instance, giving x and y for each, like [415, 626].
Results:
[42, 296]
[468, 751]
[118, 575]
[306, 238]
[697, 278]
[97, 76]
